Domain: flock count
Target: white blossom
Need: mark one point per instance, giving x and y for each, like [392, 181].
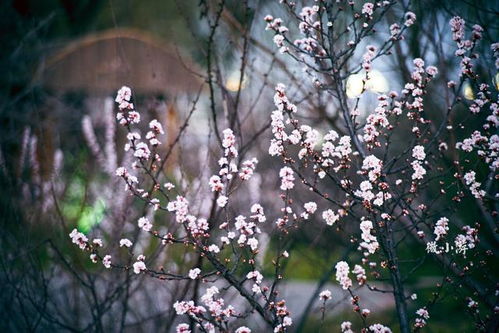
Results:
[139, 266]
[330, 217]
[342, 271]
[144, 224]
[325, 295]
[194, 273]
[125, 242]
[106, 261]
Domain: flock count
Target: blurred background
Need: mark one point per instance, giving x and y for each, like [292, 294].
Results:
[61, 62]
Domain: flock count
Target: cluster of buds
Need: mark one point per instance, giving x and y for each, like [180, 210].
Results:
[282, 313]
[423, 316]
[126, 115]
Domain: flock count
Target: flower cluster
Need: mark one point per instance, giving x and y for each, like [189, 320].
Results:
[330, 152]
[378, 328]
[375, 121]
[309, 21]
[181, 208]
[483, 97]
[257, 277]
[395, 31]
[283, 314]
[423, 316]
[441, 228]
[368, 197]
[79, 239]
[248, 168]
[373, 166]
[278, 127]
[280, 30]
[368, 57]
[467, 240]
[369, 241]
[474, 186]
[457, 26]
[325, 295]
[495, 49]
[346, 327]
[106, 261]
[183, 328]
[310, 208]
[130, 180]
[228, 168]
[410, 19]
[287, 178]
[125, 242]
[139, 266]
[152, 135]
[342, 271]
[360, 273]
[368, 9]
[309, 24]
[419, 155]
[144, 224]
[486, 148]
[310, 46]
[330, 217]
[126, 115]
[214, 307]
[229, 143]
[245, 231]
[216, 184]
[416, 88]
[464, 46]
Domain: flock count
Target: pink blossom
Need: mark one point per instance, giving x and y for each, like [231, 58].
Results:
[287, 178]
[367, 9]
[457, 27]
[410, 19]
[79, 239]
[183, 328]
[441, 228]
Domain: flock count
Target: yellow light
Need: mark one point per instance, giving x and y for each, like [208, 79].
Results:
[354, 85]
[468, 91]
[376, 83]
[232, 83]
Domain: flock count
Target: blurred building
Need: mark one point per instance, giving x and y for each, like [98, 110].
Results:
[100, 63]
[93, 68]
